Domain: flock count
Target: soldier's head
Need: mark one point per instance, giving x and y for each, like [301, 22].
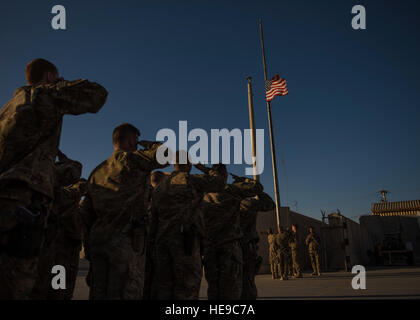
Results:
[221, 169]
[280, 228]
[182, 162]
[156, 177]
[41, 71]
[125, 137]
[68, 173]
[270, 231]
[294, 227]
[311, 229]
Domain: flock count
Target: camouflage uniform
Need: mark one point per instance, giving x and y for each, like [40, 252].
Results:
[272, 255]
[115, 220]
[283, 253]
[30, 129]
[294, 244]
[248, 218]
[222, 249]
[63, 234]
[312, 241]
[289, 257]
[177, 229]
[69, 240]
[149, 269]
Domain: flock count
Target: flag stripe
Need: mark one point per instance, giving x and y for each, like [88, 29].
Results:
[275, 88]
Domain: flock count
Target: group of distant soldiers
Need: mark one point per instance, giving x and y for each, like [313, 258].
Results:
[286, 252]
[147, 234]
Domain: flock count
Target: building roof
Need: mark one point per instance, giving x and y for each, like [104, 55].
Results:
[397, 208]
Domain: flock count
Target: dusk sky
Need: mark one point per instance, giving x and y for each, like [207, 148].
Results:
[348, 128]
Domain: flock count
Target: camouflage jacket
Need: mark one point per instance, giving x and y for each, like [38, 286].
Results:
[272, 247]
[294, 241]
[30, 129]
[64, 221]
[282, 241]
[176, 203]
[221, 211]
[66, 206]
[312, 241]
[116, 193]
[248, 214]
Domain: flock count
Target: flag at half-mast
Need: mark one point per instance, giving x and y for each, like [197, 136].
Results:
[275, 87]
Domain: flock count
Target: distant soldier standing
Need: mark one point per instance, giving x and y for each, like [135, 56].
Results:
[222, 249]
[282, 242]
[30, 130]
[250, 207]
[115, 218]
[294, 244]
[272, 253]
[289, 260]
[177, 230]
[312, 241]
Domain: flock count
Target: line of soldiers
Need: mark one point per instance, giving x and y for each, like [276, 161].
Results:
[285, 252]
[147, 234]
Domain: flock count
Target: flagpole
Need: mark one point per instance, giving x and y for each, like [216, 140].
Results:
[252, 127]
[270, 123]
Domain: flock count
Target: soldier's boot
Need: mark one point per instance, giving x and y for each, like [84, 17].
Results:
[314, 268]
[318, 272]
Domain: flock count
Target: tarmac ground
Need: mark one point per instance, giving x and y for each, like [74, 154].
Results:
[381, 283]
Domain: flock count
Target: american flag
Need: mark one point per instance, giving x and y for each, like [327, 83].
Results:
[275, 87]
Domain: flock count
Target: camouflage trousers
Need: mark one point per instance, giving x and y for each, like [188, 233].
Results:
[64, 252]
[296, 262]
[177, 275]
[42, 285]
[68, 255]
[117, 268]
[251, 265]
[149, 273]
[283, 263]
[272, 258]
[223, 271]
[314, 255]
[17, 275]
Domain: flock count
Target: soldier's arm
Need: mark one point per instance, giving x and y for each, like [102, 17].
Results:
[88, 217]
[74, 97]
[146, 159]
[69, 195]
[308, 239]
[245, 187]
[264, 202]
[208, 182]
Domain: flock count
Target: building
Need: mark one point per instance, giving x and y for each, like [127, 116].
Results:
[400, 208]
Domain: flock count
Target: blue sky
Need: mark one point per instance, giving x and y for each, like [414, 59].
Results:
[348, 128]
